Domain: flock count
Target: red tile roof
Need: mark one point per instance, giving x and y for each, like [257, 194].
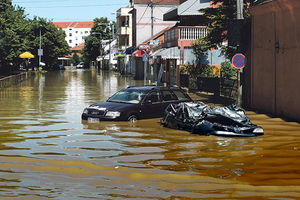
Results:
[160, 2]
[78, 47]
[83, 24]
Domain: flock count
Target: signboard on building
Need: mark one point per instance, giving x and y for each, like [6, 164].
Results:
[144, 46]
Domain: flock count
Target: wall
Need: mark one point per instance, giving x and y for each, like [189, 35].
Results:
[143, 21]
[14, 80]
[275, 61]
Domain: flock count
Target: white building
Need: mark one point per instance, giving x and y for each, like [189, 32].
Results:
[75, 31]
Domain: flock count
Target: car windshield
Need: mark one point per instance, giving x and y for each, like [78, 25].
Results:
[127, 96]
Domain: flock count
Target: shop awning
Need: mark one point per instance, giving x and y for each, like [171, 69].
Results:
[168, 53]
[138, 53]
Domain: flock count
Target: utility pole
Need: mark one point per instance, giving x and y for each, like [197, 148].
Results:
[152, 18]
[40, 50]
[239, 5]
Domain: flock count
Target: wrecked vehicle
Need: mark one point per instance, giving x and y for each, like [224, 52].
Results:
[201, 119]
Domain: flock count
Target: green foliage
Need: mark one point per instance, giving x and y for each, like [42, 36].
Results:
[18, 34]
[220, 16]
[52, 42]
[13, 31]
[198, 70]
[227, 71]
[93, 43]
[75, 60]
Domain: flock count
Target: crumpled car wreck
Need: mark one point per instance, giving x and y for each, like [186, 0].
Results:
[199, 118]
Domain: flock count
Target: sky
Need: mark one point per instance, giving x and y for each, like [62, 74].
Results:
[71, 10]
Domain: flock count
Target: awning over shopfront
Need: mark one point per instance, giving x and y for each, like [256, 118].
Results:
[138, 53]
[168, 53]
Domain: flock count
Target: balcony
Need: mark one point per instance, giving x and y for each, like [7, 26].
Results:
[185, 33]
[124, 31]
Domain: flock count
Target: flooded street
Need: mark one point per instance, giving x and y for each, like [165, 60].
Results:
[47, 152]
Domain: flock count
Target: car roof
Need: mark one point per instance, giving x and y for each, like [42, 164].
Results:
[148, 88]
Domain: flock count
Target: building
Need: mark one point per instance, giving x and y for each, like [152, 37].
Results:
[176, 48]
[75, 31]
[147, 18]
[275, 60]
[136, 23]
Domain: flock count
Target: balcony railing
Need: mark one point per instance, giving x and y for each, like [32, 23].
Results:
[185, 33]
[192, 33]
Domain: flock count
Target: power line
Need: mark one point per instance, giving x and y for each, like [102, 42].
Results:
[81, 6]
[143, 14]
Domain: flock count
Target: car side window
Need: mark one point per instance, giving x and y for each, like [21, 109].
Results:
[168, 95]
[153, 97]
[180, 95]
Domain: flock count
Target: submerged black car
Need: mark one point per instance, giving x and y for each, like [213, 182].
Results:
[135, 103]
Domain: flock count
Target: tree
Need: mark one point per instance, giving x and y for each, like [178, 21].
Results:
[75, 59]
[53, 42]
[13, 35]
[18, 34]
[220, 16]
[93, 43]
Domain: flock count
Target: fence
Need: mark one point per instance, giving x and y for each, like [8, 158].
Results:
[14, 79]
[216, 85]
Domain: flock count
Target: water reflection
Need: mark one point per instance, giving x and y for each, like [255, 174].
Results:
[47, 151]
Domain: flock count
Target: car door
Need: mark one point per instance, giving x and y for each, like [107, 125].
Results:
[168, 97]
[152, 106]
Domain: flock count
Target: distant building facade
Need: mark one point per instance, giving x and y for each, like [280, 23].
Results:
[75, 31]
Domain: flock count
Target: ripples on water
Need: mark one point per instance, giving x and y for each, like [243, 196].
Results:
[47, 152]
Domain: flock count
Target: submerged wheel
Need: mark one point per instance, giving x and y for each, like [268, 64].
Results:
[132, 118]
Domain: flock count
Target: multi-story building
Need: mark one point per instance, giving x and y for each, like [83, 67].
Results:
[148, 18]
[75, 31]
[124, 28]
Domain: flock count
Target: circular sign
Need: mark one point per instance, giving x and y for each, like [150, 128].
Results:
[145, 57]
[239, 61]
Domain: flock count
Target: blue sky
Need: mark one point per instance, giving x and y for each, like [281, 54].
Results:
[71, 10]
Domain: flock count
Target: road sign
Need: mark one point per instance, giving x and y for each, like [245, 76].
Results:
[239, 61]
[145, 57]
[151, 61]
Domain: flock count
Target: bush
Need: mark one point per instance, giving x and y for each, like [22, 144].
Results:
[227, 71]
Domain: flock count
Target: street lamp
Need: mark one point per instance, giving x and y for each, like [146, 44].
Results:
[40, 50]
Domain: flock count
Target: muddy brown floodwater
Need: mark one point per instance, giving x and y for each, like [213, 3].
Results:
[47, 152]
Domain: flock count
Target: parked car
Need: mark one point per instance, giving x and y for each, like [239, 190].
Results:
[135, 103]
[80, 65]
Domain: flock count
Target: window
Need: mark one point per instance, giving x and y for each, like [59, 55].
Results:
[76, 31]
[70, 34]
[180, 95]
[70, 41]
[86, 32]
[168, 96]
[153, 97]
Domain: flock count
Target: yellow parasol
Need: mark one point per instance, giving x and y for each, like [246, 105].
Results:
[26, 55]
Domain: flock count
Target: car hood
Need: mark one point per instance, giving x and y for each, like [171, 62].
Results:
[113, 106]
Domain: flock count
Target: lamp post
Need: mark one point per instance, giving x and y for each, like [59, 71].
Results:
[40, 50]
